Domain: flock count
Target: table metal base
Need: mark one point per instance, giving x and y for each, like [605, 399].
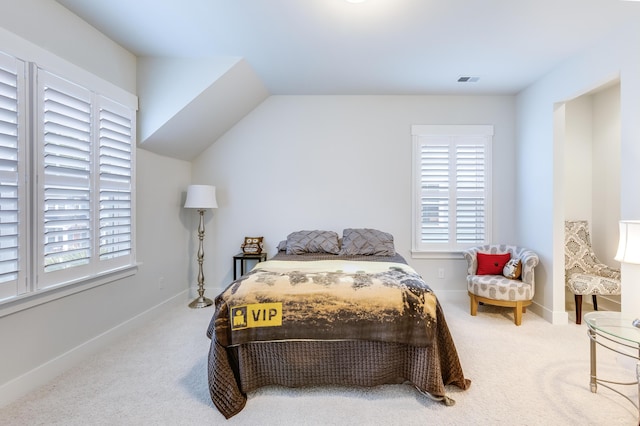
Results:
[609, 343]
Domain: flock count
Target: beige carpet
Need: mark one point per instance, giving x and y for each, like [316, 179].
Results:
[536, 374]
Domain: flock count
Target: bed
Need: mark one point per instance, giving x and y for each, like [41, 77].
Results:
[330, 311]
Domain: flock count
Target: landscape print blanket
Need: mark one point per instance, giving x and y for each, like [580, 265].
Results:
[326, 300]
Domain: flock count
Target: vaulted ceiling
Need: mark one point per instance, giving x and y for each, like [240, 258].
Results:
[326, 47]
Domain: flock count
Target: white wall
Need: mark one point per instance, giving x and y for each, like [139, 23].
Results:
[606, 174]
[332, 162]
[52, 27]
[170, 84]
[578, 165]
[541, 182]
[41, 342]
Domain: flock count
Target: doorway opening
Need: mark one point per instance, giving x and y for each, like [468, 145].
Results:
[592, 177]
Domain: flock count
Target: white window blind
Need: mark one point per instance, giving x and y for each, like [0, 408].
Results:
[115, 181]
[86, 169]
[12, 185]
[66, 151]
[452, 187]
[471, 191]
[435, 163]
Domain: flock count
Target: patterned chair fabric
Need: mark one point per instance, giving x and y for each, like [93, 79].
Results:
[497, 289]
[584, 273]
[496, 286]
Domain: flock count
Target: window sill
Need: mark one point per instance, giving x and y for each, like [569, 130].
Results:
[30, 300]
[436, 255]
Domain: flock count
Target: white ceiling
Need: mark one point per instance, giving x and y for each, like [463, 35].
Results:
[375, 47]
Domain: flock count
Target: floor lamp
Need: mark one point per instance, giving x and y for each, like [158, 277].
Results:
[201, 197]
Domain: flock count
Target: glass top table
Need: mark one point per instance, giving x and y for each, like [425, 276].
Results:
[615, 325]
[616, 332]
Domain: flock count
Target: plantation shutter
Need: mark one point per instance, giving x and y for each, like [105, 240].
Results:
[67, 179]
[12, 187]
[452, 200]
[435, 172]
[470, 175]
[115, 181]
[66, 173]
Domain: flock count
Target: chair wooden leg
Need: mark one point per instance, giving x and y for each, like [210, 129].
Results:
[517, 313]
[473, 304]
[578, 300]
[595, 302]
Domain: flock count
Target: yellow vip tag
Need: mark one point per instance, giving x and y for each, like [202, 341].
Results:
[256, 315]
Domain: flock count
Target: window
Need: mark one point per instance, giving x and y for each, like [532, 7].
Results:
[452, 187]
[12, 164]
[66, 181]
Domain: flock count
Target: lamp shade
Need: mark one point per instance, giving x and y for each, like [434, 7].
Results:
[629, 244]
[201, 197]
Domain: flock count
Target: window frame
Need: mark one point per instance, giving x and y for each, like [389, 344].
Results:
[30, 289]
[423, 134]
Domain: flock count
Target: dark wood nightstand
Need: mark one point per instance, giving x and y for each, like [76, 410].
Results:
[243, 257]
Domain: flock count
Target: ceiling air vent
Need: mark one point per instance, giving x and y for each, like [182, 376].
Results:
[467, 79]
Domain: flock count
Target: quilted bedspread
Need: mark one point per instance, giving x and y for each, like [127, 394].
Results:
[327, 300]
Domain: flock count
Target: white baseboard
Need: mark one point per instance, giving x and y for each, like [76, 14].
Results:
[554, 317]
[452, 296]
[607, 303]
[44, 373]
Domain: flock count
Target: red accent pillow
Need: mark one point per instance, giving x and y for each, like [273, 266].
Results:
[492, 264]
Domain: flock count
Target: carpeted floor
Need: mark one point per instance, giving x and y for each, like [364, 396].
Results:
[536, 374]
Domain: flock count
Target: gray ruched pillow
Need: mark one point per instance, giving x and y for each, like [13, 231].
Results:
[365, 241]
[301, 242]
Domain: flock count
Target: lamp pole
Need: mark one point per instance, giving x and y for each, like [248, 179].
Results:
[201, 301]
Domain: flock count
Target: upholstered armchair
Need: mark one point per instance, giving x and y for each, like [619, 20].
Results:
[584, 273]
[496, 289]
